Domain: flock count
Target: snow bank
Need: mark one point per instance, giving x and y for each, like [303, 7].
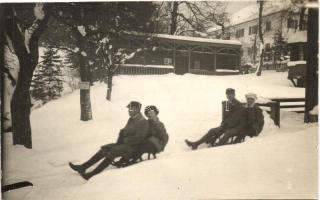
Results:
[314, 111]
[280, 163]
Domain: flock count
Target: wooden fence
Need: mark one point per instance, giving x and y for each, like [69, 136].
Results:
[219, 73]
[143, 70]
[279, 67]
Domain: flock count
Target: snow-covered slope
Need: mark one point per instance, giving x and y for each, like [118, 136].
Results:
[280, 163]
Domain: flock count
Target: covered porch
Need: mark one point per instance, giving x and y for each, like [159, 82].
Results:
[184, 54]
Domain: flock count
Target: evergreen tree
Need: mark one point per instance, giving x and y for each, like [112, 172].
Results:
[280, 46]
[47, 83]
[71, 64]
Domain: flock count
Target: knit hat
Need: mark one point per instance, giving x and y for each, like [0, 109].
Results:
[134, 104]
[251, 95]
[149, 108]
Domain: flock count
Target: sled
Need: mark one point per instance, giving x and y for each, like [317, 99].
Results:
[14, 186]
[123, 162]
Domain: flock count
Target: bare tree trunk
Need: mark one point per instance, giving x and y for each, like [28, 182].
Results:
[85, 102]
[254, 49]
[301, 18]
[260, 38]
[109, 85]
[27, 53]
[312, 62]
[20, 107]
[174, 17]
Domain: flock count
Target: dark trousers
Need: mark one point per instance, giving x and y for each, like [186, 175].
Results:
[211, 136]
[107, 154]
[230, 133]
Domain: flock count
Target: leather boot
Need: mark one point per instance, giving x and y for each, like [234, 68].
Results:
[77, 168]
[193, 145]
[93, 160]
[104, 164]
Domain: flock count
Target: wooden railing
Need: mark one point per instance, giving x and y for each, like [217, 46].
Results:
[143, 70]
[201, 72]
[219, 73]
[275, 66]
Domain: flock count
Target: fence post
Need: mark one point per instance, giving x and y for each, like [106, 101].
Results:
[275, 112]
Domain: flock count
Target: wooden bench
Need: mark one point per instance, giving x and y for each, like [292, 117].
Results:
[279, 105]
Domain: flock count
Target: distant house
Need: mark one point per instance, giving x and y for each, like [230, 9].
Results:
[183, 54]
[279, 17]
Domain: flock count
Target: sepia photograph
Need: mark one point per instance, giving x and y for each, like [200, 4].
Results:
[159, 100]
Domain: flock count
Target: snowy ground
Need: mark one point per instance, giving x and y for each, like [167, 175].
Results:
[280, 163]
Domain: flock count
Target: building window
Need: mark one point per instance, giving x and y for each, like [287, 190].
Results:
[167, 61]
[292, 23]
[267, 47]
[253, 29]
[268, 26]
[303, 25]
[239, 33]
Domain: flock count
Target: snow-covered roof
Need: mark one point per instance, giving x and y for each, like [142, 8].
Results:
[298, 36]
[252, 12]
[313, 4]
[212, 29]
[294, 63]
[226, 70]
[187, 38]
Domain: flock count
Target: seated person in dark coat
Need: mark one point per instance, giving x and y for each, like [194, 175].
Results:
[232, 122]
[255, 119]
[254, 122]
[157, 137]
[130, 137]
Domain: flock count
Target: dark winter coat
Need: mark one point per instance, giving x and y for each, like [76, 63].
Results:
[235, 117]
[134, 132]
[157, 135]
[255, 120]
[130, 137]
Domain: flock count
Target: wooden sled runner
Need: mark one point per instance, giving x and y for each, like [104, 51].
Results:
[14, 186]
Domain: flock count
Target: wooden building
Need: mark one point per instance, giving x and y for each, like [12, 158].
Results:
[184, 54]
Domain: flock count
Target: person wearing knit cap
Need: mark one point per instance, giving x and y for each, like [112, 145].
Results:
[126, 147]
[157, 136]
[232, 121]
[254, 122]
[251, 96]
[255, 119]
